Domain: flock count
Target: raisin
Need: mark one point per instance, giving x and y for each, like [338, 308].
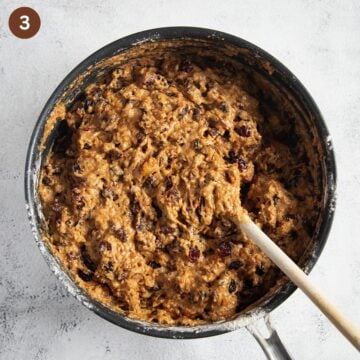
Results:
[231, 158]
[260, 269]
[76, 167]
[154, 264]
[196, 144]
[134, 205]
[89, 106]
[109, 267]
[166, 229]
[87, 146]
[168, 183]
[84, 276]
[241, 163]
[224, 107]
[235, 265]
[113, 155]
[225, 249]
[56, 206]
[87, 261]
[46, 181]
[183, 112]
[186, 65]
[226, 135]
[104, 245]
[120, 233]
[213, 132]
[150, 182]
[243, 131]
[232, 286]
[194, 254]
[196, 113]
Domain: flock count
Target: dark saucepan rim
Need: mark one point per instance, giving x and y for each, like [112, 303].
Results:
[116, 47]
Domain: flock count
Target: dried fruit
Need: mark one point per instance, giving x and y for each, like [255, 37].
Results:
[104, 245]
[87, 261]
[243, 131]
[120, 233]
[196, 113]
[194, 254]
[56, 206]
[224, 107]
[232, 286]
[235, 265]
[89, 106]
[84, 276]
[260, 269]
[46, 181]
[154, 264]
[186, 66]
[225, 249]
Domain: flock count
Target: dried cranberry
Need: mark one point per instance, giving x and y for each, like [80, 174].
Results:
[243, 131]
[154, 264]
[225, 249]
[85, 276]
[194, 254]
[235, 265]
[232, 286]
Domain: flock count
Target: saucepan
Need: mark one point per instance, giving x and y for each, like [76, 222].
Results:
[249, 55]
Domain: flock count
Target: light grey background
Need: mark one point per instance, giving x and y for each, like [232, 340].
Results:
[318, 40]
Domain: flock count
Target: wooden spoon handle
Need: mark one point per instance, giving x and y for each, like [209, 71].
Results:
[300, 279]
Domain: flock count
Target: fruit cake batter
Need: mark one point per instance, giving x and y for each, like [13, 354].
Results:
[149, 168]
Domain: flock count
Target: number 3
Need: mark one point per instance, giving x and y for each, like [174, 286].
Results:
[25, 24]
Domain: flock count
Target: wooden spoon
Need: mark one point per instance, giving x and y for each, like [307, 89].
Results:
[300, 279]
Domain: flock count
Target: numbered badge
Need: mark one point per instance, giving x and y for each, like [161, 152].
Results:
[24, 22]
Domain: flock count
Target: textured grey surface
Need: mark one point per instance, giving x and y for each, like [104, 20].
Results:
[317, 40]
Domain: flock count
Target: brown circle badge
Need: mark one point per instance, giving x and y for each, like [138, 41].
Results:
[24, 22]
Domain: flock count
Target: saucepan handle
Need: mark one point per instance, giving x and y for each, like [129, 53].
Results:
[272, 346]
